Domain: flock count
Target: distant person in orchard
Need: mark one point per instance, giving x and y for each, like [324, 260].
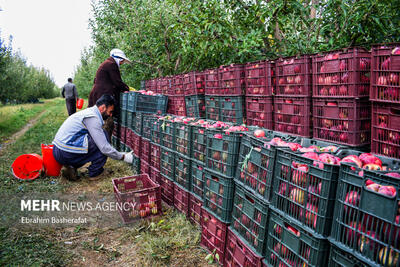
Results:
[70, 94]
[108, 81]
[81, 139]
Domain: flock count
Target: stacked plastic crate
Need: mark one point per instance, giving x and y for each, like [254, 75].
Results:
[194, 87]
[123, 119]
[366, 222]
[224, 89]
[341, 108]
[385, 97]
[260, 84]
[176, 96]
[292, 100]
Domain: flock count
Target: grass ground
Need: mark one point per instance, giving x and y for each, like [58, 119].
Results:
[167, 240]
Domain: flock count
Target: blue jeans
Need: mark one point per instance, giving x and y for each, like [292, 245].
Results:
[77, 160]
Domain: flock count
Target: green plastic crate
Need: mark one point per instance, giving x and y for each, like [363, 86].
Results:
[156, 104]
[213, 109]
[148, 121]
[306, 193]
[290, 245]
[182, 171]
[250, 218]
[340, 258]
[218, 195]
[199, 144]
[123, 118]
[168, 134]
[167, 163]
[123, 100]
[232, 109]
[129, 119]
[255, 170]
[195, 106]
[136, 164]
[222, 153]
[131, 101]
[183, 138]
[156, 131]
[366, 222]
[138, 123]
[197, 179]
[115, 142]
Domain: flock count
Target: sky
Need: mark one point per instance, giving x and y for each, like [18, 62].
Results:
[48, 33]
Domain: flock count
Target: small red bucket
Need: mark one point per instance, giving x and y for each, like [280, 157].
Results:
[51, 166]
[27, 166]
[79, 103]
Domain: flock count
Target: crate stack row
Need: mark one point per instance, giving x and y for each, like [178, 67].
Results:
[341, 107]
[385, 97]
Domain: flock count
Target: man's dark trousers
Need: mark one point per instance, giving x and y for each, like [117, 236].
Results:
[71, 105]
[78, 160]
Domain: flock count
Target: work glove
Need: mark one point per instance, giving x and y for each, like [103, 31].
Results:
[128, 157]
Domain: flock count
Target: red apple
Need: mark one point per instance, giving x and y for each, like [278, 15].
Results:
[259, 133]
[352, 159]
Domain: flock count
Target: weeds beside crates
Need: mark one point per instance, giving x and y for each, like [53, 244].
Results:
[181, 199]
[140, 193]
[231, 80]
[213, 235]
[218, 195]
[367, 218]
[259, 111]
[182, 171]
[193, 83]
[177, 105]
[342, 74]
[195, 106]
[238, 253]
[212, 82]
[305, 189]
[293, 76]
[155, 155]
[250, 218]
[167, 190]
[385, 71]
[290, 245]
[197, 182]
[213, 109]
[293, 115]
[195, 207]
[260, 78]
[386, 129]
[233, 109]
[344, 121]
[167, 162]
[340, 258]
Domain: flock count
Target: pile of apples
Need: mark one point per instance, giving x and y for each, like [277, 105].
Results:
[281, 251]
[144, 92]
[144, 209]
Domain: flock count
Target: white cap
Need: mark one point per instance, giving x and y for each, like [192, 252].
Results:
[118, 54]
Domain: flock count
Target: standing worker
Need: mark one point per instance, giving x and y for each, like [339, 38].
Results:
[70, 94]
[108, 81]
[81, 139]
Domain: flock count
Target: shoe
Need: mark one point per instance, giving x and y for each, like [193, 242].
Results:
[70, 173]
[102, 175]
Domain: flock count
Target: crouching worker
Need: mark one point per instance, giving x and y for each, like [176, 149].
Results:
[81, 139]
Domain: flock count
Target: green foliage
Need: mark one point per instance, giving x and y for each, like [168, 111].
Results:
[20, 83]
[176, 36]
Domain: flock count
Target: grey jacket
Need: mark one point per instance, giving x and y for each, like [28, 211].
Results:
[69, 91]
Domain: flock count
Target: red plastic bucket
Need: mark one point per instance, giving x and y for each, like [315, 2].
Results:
[27, 166]
[79, 103]
[51, 166]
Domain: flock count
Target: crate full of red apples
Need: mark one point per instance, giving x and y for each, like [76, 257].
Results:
[342, 73]
[293, 115]
[367, 216]
[346, 122]
[176, 88]
[260, 78]
[138, 197]
[176, 105]
[293, 76]
[385, 83]
[259, 111]
[193, 83]
[211, 79]
[386, 129]
[231, 79]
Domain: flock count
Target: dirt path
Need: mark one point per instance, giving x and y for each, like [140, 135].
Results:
[18, 134]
